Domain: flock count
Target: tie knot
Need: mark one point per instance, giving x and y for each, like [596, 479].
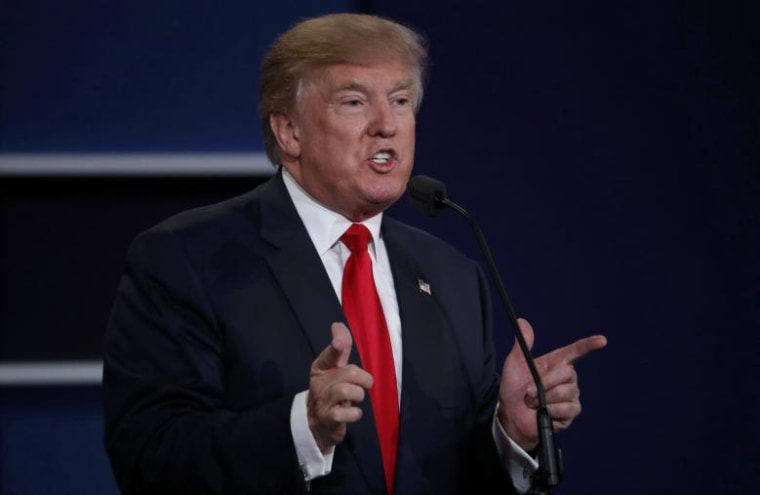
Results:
[356, 238]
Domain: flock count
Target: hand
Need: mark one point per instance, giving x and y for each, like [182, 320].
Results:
[518, 395]
[334, 387]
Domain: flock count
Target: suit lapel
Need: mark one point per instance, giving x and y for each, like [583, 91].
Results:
[297, 267]
[304, 280]
[421, 317]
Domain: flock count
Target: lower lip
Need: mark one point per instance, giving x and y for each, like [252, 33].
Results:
[383, 167]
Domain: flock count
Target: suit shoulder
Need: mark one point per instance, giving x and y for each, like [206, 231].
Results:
[206, 217]
[237, 214]
[422, 240]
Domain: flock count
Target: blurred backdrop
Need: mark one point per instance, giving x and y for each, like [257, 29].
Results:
[609, 150]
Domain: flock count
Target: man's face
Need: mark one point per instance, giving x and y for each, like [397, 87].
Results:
[354, 128]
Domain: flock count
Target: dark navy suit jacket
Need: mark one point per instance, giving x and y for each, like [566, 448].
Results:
[219, 314]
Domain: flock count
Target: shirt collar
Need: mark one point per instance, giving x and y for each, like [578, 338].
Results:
[323, 225]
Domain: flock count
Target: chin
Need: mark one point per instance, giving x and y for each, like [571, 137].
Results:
[387, 194]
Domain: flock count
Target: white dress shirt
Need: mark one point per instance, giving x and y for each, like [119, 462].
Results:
[325, 227]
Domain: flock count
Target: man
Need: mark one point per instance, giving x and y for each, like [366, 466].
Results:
[229, 367]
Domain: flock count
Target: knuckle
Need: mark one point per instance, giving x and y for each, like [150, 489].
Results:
[341, 392]
[353, 372]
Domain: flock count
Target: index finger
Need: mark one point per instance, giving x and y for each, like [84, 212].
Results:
[578, 349]
[337, 353]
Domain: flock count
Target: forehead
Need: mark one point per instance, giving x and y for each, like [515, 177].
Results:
[380, 76]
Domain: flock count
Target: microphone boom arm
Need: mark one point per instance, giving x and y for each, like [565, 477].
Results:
[549, 473]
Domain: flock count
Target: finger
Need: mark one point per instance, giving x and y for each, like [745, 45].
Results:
[564, 413]
[567, 392]
[357, 376]
[346, 414]
[528, 336]
[343, 392]
[527, 331]
[341, 339]
[339, 408]
[553, 378]
[578, 349]
[336, 354]
[338, 385]
[325, 405]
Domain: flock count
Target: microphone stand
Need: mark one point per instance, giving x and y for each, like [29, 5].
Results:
[549, 472]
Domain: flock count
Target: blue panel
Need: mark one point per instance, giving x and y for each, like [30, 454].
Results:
[51, 441]
[85, 75]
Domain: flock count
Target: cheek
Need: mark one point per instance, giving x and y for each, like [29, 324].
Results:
[409, 143]
[341, 140]
[409, 128]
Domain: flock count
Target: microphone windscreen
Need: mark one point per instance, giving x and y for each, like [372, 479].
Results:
[427, 194]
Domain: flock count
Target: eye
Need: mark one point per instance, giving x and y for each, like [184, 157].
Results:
[354, 102]
[401, 101]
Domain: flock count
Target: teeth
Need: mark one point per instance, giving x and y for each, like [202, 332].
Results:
[381, 157]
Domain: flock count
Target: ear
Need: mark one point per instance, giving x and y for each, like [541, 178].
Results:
[286, 132]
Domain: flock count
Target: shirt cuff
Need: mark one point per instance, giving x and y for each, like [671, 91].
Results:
[313, 463]
[519, 464]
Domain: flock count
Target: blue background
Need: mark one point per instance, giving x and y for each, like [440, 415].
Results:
[610, 151]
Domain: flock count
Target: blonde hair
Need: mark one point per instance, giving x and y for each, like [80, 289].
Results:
[328, 40]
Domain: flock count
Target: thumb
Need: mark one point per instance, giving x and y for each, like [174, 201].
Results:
[336, 354]
[516, 355]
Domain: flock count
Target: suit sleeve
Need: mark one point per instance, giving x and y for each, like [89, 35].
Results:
[487, 471]
[167, 428]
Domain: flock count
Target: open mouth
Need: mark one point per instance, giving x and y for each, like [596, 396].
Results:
[382, 157]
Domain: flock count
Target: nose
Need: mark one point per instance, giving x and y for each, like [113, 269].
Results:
[383, 121]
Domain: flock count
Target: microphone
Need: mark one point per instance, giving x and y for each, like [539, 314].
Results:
[429, 195]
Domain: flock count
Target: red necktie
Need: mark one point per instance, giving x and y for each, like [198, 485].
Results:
[361, 305]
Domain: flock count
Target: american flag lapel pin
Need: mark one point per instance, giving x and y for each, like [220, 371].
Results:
[424, 287]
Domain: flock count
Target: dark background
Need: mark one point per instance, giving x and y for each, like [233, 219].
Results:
[610, 151]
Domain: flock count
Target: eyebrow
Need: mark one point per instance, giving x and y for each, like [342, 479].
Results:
[356, 86]
[351, 86]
